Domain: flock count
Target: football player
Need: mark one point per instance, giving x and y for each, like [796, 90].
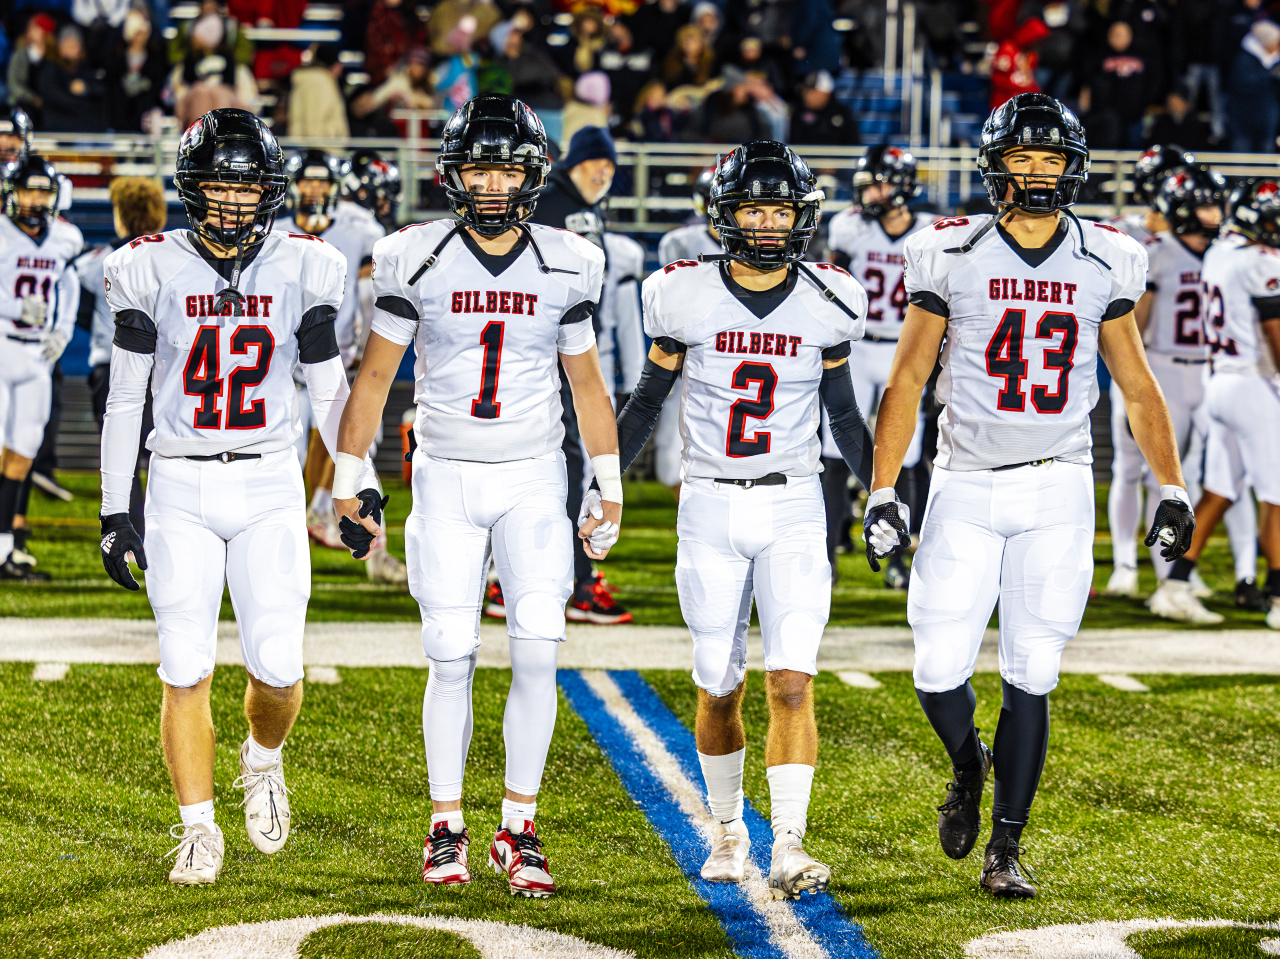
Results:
[868, 240]
[39, 297]
[762, 340]
[1021, 305]
[1241, 287]
[218, 318]
[1149, 171]
[490, 302]
[374, 183]
[15, 134]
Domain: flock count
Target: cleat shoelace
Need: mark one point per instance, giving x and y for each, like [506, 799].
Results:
[529, 850]
[1008, 859]
[252, 782]
[446, 846]
[195, 838]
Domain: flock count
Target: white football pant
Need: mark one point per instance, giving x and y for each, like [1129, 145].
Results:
[767, 541]
[242, 523]
[667, 442]
[1020, 537]
[1247, 406]
[26, 396]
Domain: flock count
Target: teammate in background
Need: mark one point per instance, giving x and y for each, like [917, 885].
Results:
[1149, 171]
[39, 296]
[313, 210]
[621, 337]
[218, 318]
[868, 241]
[374, 183]
[138, 209]
[490, 302]
[1021, 305]
[1241, 283]
[762, 341]
[15, 134]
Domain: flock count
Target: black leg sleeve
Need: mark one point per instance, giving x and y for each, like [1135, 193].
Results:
[24, 496]
[575, 465]
[839, 507]
[9, 489]
[951, 716]
[1022, 742]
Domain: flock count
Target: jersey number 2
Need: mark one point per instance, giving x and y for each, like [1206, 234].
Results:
[1004, 359]
[202, 378]
[486, 406]
[744, 376]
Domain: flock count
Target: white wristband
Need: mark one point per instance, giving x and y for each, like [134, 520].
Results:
[1176, 492]
[609, 475]
[346, 473]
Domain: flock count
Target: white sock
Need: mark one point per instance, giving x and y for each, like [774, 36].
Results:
[516, 814]
[259, 755]
[789, 787]
[723, 776]
[453, 818]
[321, 501]
[6, 546]
[1242, 532]
[196, 813]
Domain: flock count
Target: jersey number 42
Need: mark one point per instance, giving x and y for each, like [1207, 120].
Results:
[202, 378]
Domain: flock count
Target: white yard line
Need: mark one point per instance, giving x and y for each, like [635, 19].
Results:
[49, 672]
[1123, 682]
[858, 679]
[324, 675]
[791, 937]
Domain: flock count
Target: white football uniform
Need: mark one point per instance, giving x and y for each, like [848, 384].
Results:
[225, 498]
[1019, 377]
[1131, 224]
[682, 243]
[102, 330]
[39, 297]
[749, 409]
[1241, 288]
[621, 338]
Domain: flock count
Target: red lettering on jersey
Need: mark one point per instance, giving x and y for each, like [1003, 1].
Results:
[1013, 293]
[193, 306]
[742, 342]
[795, 342]
[722, 342]
[457, 302]
[953, 221]
[1103, 226]
[779, 344]
[517, 303]
[491, 301]
[1055, 292]
[504, 302]
[153, 238]
[475, 302]
[889, 258]
[678, 263]
[755, 342]
[266, 306]
[1042, 291]
[993, 289]
[252, 304]
[1071, 289]
[530, 299]
[466, 296]
[1029, 290]
[768, 343]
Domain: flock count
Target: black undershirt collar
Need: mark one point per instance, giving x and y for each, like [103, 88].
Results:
[495, 263]
[224, 267]
[1198, 256]
[759, 302]
[889, 236]
[1035, 256]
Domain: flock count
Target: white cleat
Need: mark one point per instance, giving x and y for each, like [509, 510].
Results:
[1273, 614]
[1175, 600]
[793, 871]
[266, 803]
[198, 854]
[1123, 582]
[1199, 588]
[729, 849]
[323, 529]
[382, 567]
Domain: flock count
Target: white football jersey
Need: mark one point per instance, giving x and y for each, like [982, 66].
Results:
[1236, 275]
[352, 232]
[89, 268]
[621, 340]
[487, 331]
[1019, 363]
[687, 243]
[38, 292]
[223, 383]
[1173, 277]
[749, 393]
[875, 260]
[1131, 224]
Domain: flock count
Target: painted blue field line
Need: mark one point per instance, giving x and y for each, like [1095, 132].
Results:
[747, 931]
[820, 914]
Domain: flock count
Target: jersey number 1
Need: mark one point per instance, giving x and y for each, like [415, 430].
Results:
[201, 378]
[744, 376]
[486, 406]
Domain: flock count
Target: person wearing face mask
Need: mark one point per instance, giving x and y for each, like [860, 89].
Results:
[136, 69]
[24, 65]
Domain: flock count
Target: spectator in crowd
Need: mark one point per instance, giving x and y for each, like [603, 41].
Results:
[394, 28]
[708, 18]
[535, 78]
[316, 107]
[654, 25]
[750, 57]
[590, 105]
[1117, 92]
[1195, 65]
[454, 81]
[814, 44]
[24, 65]
[1013, 68]
[235, 45]
[820, 118]
[653, 120]
[408, 87]
[587, 40]
[628, 69]
[691, 62]
[744, 108]
[752, 84]
[449, 15]
[102, 22]
[1065, 22]
[136, 71]
[207, 79]
[72, 91]
[1253, 101]
[1179, 124]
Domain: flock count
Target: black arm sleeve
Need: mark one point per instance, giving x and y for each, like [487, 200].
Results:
[1268, 307]
[398, 306]
[928, 300]
[640, 415]
[84, 315]
[847, 425]
[317, 337]
[577, 313]
[135, 332]
[1117, 309]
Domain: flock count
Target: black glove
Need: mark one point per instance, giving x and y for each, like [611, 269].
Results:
[1174, 525]
[355, 537]
[119, 538]
[880, 522]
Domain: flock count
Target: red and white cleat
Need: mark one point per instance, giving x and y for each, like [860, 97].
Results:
[444, 856]
[323, 529]
[518, 856]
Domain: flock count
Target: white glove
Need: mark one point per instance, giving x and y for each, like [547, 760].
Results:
[34, 311]
[603, 536]
[882, 537]
[52, 345]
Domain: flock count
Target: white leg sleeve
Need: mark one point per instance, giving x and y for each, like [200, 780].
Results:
[1242, 532]
[1124, 498]
[446, 724]
[530, 718]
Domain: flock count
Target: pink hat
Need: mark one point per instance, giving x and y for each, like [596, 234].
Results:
[593, 88]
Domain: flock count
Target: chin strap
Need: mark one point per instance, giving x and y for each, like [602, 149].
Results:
[231, 294]
[1083, 247]
[826, 290]
[1008, 208]
[430, 261]
[542, 264]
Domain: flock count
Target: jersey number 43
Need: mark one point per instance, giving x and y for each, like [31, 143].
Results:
[202, 378]
[1005, 359]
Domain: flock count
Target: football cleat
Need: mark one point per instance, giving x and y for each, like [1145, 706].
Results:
[1123, 582]
[493, 604]
[1273, 614]
[519, 856]
[444, 856]
[1250, 597]
[266, 803]
[592, 603]
[896, 575]
[21, 537]
[1002, 871]
[959, 818]
[1173, 599]
[382, 567]
[729, 848]
[14, 572]
[49, 486]
[324, 530]
[793, 871]
[599, 578]
[198, 854]
[1199, 588]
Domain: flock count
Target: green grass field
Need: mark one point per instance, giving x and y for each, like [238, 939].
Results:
[641, 565]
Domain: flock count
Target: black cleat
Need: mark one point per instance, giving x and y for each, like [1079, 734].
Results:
[959, 818]
[896, 574]
[12, 572]
[1002, 872]
[1250, 597]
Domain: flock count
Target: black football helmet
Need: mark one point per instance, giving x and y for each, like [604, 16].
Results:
[312, 165]
[702, 189]
[31, 172]
[764, 171]
[1186, 190]
[1033, 120]
[493, 129]
[1153, 166]
[885, 164]
[230, 146]
[14, 124]
[373, 183]
[1254, 210]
